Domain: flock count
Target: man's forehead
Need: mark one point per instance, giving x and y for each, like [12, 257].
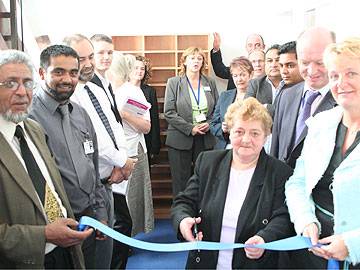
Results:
[63, 59]
[287, 57]
[15, 70]
[83, 48]
[254, 39]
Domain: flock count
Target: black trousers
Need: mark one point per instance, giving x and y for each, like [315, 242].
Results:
[123, 224]
[59, 258]
[181, 163]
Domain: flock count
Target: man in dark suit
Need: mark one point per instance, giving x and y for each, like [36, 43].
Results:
[253, 42]
[37, 226]
[298, 102]
[265, 88]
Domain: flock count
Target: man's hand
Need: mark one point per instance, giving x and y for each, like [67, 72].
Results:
[217, 42]
[116, 176]
[62, 232]
[185, 228]
[254, 253]
[128, 167]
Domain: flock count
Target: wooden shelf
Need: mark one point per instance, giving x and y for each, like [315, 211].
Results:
[160, 43]
[128, 43]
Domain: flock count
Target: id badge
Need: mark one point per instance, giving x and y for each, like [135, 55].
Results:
[200, 118]
[207, 89]
[88, 147]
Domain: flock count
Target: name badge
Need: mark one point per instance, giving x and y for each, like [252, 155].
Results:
[200, 118]
[88, 147]
[207, 88]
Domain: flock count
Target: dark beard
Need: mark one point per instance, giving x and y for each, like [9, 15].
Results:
[60, 96]
[85, 77]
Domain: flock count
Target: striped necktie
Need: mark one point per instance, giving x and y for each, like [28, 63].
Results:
[101, 114]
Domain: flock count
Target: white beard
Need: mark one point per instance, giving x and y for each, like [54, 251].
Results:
[15, 117]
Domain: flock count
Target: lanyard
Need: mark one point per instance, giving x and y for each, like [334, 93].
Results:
[192, 90]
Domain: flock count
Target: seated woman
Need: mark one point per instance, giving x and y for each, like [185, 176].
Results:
[323, 194]
[241, 71]
[236, 195]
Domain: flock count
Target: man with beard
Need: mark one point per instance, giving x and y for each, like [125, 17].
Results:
[114, 165]
[37, 229]
[71, 137]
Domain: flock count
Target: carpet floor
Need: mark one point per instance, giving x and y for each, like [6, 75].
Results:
[143, 259]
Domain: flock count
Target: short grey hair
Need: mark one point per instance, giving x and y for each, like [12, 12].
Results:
[17, 57]
[76, 38]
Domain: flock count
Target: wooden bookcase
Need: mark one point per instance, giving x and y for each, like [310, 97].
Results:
[165, 52]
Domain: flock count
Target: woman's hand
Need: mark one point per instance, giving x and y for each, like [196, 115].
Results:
[204, 127]
[196, 130]
[224, 127]
[336, 248]
[254, 253]
[312, 231]
[185, 228]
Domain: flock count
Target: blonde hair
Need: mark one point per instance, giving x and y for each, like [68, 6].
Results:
[349, 47]
[122, 65]
[248, 109]
[191, 51]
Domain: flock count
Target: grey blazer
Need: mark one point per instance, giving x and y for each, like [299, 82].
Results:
[178, 112]
[22, 221]
[260, 89]
[286, 113]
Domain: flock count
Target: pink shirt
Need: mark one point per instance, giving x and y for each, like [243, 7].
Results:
[238, 187]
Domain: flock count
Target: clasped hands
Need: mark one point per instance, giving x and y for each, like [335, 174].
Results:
[200, 129]
[187, 224]
[119, 174]
[333, 247]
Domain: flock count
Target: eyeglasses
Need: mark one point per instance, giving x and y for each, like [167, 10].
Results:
[14, 85]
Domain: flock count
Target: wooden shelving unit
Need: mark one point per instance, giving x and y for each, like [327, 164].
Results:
[165, 52]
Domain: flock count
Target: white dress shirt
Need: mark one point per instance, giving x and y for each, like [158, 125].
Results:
[8, 130]
[109, 156]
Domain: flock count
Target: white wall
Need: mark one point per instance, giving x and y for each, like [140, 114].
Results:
[278, 21]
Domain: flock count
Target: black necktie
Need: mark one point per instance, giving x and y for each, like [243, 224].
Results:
[101, 114]
[115, 108]
[31, 165]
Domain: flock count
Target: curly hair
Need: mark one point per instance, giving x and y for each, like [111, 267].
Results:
[248, 109]
[148, 71]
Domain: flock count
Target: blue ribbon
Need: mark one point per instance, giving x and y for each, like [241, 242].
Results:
[291, 243]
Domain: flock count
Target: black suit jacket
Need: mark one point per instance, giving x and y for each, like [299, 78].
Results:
[152, 139]
[284, 127]
[263, 212]
[220, 69]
